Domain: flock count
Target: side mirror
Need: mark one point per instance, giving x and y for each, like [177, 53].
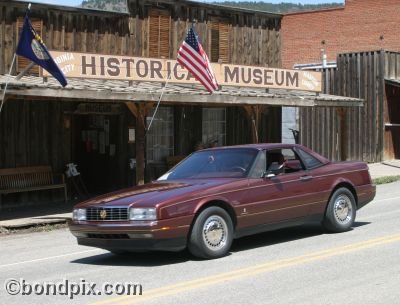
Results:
[268, 174]
[274, 169]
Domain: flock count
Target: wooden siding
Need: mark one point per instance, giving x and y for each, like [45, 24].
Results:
[254, 37]
[353, 133]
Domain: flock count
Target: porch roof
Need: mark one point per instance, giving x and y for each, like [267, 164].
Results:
[124, 91]
[393, 81]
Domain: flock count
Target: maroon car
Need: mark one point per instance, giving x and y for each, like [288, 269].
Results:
[218, 194]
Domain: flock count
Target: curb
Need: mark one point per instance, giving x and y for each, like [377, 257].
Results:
[31, 224]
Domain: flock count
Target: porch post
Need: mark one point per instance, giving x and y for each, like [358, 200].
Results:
[343, 133]
[140, 110]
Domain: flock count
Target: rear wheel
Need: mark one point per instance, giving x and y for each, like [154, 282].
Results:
[212, 233]
[341, 211]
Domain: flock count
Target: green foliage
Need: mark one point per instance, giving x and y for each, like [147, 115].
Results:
[280, 8]
[386, 179]
[106, 5]
[284, 7]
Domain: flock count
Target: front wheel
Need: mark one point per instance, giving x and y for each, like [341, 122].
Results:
[341, 211]
[212, 234]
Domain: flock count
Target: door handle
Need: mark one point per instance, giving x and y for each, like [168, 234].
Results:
[306, 178]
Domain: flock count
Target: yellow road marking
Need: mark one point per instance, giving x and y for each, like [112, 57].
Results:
[248, 271]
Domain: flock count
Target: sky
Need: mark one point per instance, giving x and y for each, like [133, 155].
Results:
[78, 2]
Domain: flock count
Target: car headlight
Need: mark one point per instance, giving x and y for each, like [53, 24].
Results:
[142, 214]
[79, 214]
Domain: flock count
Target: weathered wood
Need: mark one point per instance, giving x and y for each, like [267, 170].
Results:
[359, 75]
[255, 42]
[188, 98]
[140, 111]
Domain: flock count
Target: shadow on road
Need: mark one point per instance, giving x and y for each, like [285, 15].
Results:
[276, 237]
[360, 224]
[145, 259]
[150, 259]
[281, 236]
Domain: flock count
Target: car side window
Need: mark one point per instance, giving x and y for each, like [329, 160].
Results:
[309, 160]
[259, 166]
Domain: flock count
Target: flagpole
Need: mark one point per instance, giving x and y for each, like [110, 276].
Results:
[8, 80]
[159, 100]
[23, 72]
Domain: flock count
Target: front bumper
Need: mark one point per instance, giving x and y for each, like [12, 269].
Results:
[162, 235]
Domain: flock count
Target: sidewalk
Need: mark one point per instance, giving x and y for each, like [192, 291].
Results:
[386, 168]
[35, 215]
[60, 212]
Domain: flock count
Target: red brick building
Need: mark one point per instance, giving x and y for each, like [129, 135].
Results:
[358, 26]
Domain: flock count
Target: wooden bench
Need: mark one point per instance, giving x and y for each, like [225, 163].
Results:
[27, 179]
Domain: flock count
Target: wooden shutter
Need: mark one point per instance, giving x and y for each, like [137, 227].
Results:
[159, 33]
[220, 42]
[22, 62]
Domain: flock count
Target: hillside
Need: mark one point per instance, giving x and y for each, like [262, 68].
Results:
[277, 8]
[120, 5]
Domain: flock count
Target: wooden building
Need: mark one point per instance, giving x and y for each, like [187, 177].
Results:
[370, 133]
[100, 123]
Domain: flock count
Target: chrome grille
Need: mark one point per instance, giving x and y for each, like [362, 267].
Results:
[106, 214]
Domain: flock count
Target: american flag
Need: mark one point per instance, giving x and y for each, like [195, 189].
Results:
[192, 56]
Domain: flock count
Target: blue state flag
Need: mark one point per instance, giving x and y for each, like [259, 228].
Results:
[31, 46]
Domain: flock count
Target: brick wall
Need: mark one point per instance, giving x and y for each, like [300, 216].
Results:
[360, 25]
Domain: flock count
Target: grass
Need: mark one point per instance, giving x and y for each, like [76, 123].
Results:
[386, 179]
[35, 228]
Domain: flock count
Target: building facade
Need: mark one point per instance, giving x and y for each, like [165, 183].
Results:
[360, 25]
[99, 136]
[101, 121]
[370, 133]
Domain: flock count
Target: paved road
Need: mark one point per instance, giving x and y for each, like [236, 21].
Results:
[294, 266]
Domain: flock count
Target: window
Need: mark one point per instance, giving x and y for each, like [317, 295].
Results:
[219, 42]
[259, 166]
[160, 137]
[159, 33]
[310, 161]
[232, 163]
[214, 126]
[23, 62]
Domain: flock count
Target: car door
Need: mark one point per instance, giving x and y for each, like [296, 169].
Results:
[279, 195]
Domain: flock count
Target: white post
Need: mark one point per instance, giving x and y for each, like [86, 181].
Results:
[158, 103]
[5, 87]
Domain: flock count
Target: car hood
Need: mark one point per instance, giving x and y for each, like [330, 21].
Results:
[159, 193]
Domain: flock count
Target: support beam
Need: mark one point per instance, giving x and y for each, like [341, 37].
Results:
[254, 114]
[343, 133]
[140, 111]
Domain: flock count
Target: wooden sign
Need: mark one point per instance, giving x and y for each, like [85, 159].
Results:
[85, 65]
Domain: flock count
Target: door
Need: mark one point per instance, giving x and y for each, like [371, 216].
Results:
[282, 194]
[97, 151]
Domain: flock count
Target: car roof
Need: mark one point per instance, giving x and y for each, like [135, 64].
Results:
[258, 146]
[271, 146]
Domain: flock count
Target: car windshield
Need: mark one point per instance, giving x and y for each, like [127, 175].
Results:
[219, 163]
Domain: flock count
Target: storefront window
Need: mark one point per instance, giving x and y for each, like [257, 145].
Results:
[214, 126]
[160, 137]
